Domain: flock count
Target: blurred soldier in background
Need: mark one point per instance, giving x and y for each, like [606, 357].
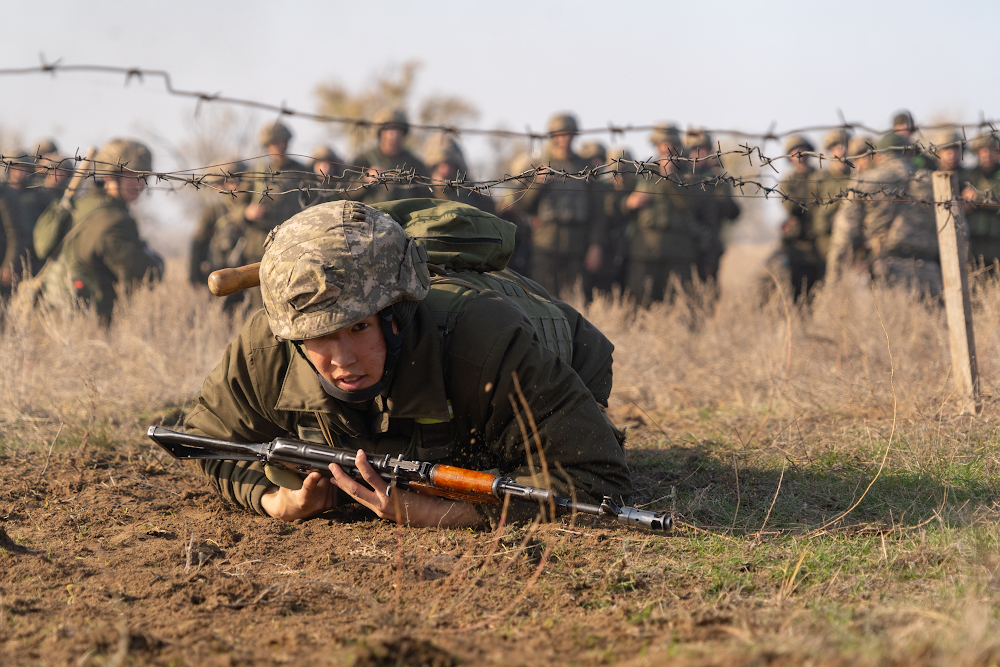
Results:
[280, 173]
[900, 237]
[445, 161]
[948, 144]
[832, 185]
[389, 153]
[326, 162]
[567, 215]
[614, 267]
[664, 238]
[713, 203]
[219, 240]
[859, 149]
[903, 125]
[520, 259]
[103, 251]
[798, 237]
[981, 187]
[594, 153]
[15, 234]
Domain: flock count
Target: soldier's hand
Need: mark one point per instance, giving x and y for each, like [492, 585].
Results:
[410, 508]
[254, 212]
[592, 261]
[6, 276]
[638, 200]
[317, 494]
[969, 194]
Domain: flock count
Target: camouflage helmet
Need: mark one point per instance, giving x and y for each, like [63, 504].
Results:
[860, 145]
[443, 148]
[796, 143]
[563, 123]
[697, 137]
[131, 155]
[46, 147]
[333, 265]
[593, 150]
[391, 118]
[892, 142]
[985, 140]
[325, 154]
[835, 137]
[665, 133]
[275, 133]
[948, 138]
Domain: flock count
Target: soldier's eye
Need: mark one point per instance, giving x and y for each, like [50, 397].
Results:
[360, 326]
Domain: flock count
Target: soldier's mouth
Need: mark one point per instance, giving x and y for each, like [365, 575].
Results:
[351, 382]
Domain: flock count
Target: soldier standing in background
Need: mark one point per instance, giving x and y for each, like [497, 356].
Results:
[859, 150]
[445, 161]
[24, 204]
[614, 267]
[903, 125]
[326, 162]
[567, 215]
[981, 188]
[883, 217]
[798, 238]
[15, 236]
[713, 203]
[388, 154]
[103, 251]
[832, 185]
[664, 239]
[520, 259]
[216, 243]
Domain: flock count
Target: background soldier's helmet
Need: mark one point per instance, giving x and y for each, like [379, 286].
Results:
[562, 123]
[335, 264]
[275, 133]
[841, 136]
[443, 148]
[696, 138]
[796, 143]
[951, 138]
[47, 147]
[665, 133]
[391, 118]
[892, 143]
[860, 145]
[325, 154]
[592, 150]
[131, 155]
[986, 140]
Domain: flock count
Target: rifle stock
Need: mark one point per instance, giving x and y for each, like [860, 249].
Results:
[417, 476]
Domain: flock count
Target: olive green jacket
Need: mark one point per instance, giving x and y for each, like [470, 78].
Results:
[798, 237]
[569, 213]
[984, 219]
[832, 189]
[101, 252]
[277, 207]
[264, 389]
[666, 228]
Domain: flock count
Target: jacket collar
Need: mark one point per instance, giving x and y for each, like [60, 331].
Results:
[417, 390]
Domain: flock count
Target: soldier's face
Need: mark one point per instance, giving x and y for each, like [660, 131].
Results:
[125, 188]
[352, 359]
[390, 140]
[562, 141]
[277, 151]
[988, 157]
[837, 150]
[445, 171]
[950, 157]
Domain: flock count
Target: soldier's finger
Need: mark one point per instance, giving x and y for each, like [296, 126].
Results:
[353, 488]
[369, 475]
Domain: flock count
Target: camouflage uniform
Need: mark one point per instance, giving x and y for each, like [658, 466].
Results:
[832, 185]
[443, 149]
[712, 204]
[103, 251]
[567, 217]
[899, 236]
[520, 259]
[984, 219]
[615, 247]
[445, 398]
[374, 158]
[798, 234]
[664, 235]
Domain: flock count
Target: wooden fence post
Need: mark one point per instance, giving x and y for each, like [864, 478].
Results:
[953, 244]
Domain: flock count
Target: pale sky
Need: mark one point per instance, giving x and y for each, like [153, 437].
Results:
[739, 65]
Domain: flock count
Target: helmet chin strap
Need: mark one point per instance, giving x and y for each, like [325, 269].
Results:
[393, 346]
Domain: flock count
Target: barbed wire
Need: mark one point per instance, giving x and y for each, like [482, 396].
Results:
[614, 130]
[354, 179]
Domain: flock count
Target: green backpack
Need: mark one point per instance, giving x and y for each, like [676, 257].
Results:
[467, 251]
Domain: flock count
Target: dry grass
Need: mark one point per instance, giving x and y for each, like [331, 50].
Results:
[759, 424]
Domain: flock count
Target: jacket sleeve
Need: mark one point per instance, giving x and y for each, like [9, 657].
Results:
[490, 347]
[125, 253]
[231, 407]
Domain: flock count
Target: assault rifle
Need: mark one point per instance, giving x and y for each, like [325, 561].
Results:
[433, 479]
